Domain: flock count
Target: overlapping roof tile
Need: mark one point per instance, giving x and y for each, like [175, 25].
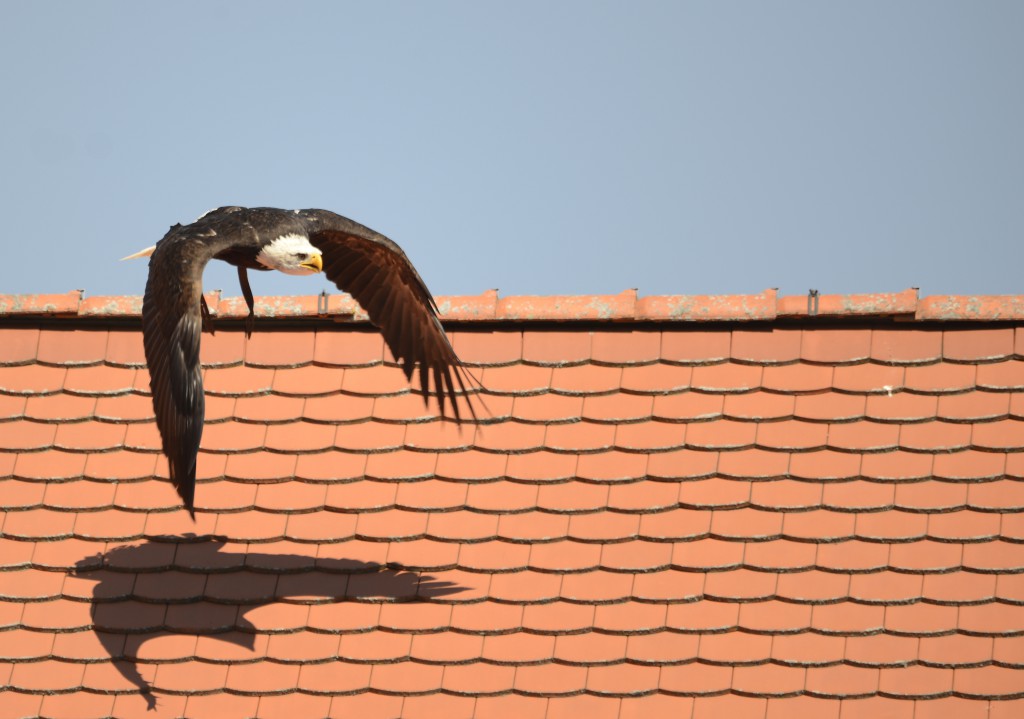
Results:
[671, 507]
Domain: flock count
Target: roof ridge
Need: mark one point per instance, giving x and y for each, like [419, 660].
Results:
[627, 305]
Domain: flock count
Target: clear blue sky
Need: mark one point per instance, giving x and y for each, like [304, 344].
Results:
[535, 147]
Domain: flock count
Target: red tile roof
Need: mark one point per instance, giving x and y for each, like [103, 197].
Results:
[751, 506]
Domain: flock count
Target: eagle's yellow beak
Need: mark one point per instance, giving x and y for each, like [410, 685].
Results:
[314, 263]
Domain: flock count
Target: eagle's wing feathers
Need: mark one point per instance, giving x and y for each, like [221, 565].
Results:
[171, 328]
[376, 272]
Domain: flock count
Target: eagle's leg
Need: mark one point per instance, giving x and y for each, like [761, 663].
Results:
[250, 321]
[207, 318]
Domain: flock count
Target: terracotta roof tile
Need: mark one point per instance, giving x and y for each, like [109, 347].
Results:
[973, 465]
[641, 496]
[902, 407]
[868, 379]
[1011, 528]
[54, 465]
[441, 649]
[597, 707]
[688, 406]
[556, 348]
[780, 555]
[66, 706]
[437, 706]
[769, 680]
[797, 378]
[808, 649]
[766, 346]
[853, 556]
[788, 520]
[141, 438]
[899, 465]
[829, 406]
[758, 406]
[719, 434]
[989, 682]
[22, 495]
[472, 466]
[978, 345]
[367, 704]
[494, 555]
[622, 680]
[626, 348]
[238, 381]
[348, 348]
[696, 346]
[863, 708]
[21, 346]
[906, 346]
[572, 497]
[221, 349]
[488, 348]
[695, 679]
[67, 347]
[727, 378]
[818, 525]
[406, 678]
[100, 380]
[812, 587]
[776, 617]
[32, 379]
[956, 650]
[586, 380]
[1002, 377]
[364, 437]
[478, 678]
[463, 526]
[580, 437]
[58, 408]
[864, 436]
[781, 494]
[919, 619]
[836, 346]
[517, 380]
[283, 706]
[715, 492]
[941, 378]
[335, 408]
[12, 407]
[657, 705]
[547, 408]
[251, 526]
[550, 680]
[842, 681]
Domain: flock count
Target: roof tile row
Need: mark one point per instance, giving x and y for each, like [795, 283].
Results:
[983, 535]
[363, 347]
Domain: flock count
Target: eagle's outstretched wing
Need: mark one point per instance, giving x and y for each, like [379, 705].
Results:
[171, 327]
[378, 275]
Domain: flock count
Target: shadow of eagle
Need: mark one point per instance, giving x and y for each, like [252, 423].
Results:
[326, 578]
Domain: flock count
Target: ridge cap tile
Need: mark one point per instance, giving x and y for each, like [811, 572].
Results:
[488, 306]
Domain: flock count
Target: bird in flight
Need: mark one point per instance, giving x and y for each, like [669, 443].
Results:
[364, 263]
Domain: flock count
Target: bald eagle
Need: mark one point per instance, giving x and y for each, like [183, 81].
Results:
[364, 263]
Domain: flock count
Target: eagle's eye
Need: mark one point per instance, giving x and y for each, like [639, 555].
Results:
[301, 256]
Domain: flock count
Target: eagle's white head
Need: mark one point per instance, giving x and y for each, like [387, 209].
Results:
[292, 254]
